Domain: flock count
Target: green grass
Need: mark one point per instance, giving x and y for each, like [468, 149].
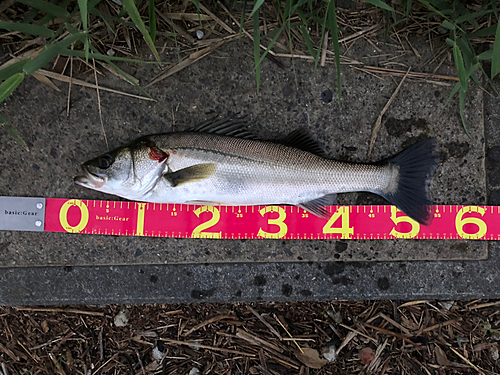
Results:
[74, 36]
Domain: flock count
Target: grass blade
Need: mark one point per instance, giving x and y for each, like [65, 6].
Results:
[448, 25]
[152, 19]
[453, 92]
[289, 10]
[10, 85]
[13, 133]
[12, 69]
[256, 47]
[197, 5]
[305, 34]
[470, 17]
[334, 31]
[487, 31]
[50, 52]
[407, 5]
[380, 4]
[495, 59]
[27, 29]
[100, 56]
[125, 75]
[462, 106]
[242, 20]
[256, 7]
[130, 7]
[459, 63]
[486, 55]
[84, 13]
[49, 8]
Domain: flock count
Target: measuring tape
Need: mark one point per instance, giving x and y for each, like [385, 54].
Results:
[245, 222]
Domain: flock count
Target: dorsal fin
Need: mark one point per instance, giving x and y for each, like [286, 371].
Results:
[302, 140]
[231, 126]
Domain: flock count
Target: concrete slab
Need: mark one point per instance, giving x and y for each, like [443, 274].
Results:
[223, 83]
[50, 268]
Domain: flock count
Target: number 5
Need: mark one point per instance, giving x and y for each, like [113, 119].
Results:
[415, 227]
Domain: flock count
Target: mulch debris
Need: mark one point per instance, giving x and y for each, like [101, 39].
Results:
[381, 337]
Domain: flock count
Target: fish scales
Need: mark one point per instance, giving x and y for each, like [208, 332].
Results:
[260, 172]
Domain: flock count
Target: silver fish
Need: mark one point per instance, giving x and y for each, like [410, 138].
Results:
[221, 163]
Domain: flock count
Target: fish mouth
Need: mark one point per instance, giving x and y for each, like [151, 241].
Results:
[89, 179]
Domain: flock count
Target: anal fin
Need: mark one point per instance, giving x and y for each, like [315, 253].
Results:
[317, 206]
[194, 173]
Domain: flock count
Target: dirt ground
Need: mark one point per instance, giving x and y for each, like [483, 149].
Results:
[381, 337]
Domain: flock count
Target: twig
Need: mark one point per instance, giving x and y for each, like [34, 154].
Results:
[394, 323]
[323, 49]
[101, 344]
[257, 340]
[140, 362]
[387, 332]
[196, 345]
[440, 325]
[191, 59]
[481, 371]
[55, 310]
[271, 328]
[243, 29]
[206, 322]
[359, 333]
[378, 123]
[217, 19]
[75, 81]
[99, 104]
[483, 305]
[70, 82]
[286, 330]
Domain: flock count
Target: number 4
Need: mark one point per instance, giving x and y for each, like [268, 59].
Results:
[345, 230]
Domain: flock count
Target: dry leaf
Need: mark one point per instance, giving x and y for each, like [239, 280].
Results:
[441, 358]
[310, 358]
[45, 326]
[366, 355]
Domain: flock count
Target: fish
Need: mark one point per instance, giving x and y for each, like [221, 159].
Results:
[222, 163]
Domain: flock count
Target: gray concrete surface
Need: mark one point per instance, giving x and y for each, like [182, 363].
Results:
[52, 268]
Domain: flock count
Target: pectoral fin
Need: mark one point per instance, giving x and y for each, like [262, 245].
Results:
[191, 174]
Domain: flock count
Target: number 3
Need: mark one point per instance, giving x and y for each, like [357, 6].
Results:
[283, 229]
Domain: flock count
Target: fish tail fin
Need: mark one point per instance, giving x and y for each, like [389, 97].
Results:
[416, 166]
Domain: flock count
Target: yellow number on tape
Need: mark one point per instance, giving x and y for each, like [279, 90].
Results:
[140, 219]
[415, 227]
[279, 222]
[345, 230]
[63, 216]
[460, 222]
[197, 232]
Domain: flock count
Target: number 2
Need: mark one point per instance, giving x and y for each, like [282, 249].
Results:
[197, 232]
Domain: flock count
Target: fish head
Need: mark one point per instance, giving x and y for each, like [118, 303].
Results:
[130, 171]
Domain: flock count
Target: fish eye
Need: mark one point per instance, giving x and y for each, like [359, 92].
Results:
[105, 161]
